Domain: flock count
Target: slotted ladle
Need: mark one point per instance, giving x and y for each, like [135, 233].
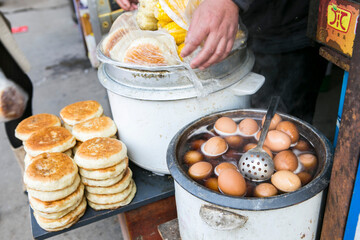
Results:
[256, 164]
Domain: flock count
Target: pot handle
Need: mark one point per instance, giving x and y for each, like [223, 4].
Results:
[221, 219]
[248, 85]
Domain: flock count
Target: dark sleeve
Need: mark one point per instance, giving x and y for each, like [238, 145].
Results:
[243, 4]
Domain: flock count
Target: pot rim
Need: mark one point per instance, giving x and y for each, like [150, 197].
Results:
[318, 184]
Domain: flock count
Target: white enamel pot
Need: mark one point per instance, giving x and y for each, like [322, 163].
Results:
[149, 107]
[206, 214]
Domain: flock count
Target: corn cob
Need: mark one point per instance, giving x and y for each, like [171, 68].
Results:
[176, 31]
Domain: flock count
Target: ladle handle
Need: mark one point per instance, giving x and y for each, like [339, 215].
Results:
[274, 102]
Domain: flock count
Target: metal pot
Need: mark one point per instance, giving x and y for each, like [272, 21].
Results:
[205, 214]
[149, 107]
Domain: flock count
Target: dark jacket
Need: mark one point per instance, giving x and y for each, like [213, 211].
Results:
[275, 26]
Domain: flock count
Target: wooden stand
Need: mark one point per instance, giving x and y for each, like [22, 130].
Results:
[142, 223]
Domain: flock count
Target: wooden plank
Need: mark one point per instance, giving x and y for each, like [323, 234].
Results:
[170, 230]
[335, 57]
[142, 223]
[346, 156]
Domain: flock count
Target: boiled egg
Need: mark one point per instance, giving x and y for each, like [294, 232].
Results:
[286, 181]
[305, 177]
[234, 141]
[212, 183]
[265, 190]
[308, 160]
[231, 182]
[277, 141]
[274, 121]
[200, 170]
[302, 146]
[290, 129]
[285, 160]
[225, 126]
[222, 166]
[248, 127]
[196, 144]
[214, 147]
[192, 157]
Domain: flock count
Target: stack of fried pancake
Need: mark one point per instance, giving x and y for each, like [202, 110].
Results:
[79, 112]
[103, 166]
[94, 127]
[48, 139]
[55, 191]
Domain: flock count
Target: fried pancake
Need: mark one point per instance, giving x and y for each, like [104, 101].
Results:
[57, 215]
[102, 183]
[81, 111]
[55, 195]
[50, 139]
[116, 188]
[58, 205]
[55, 224]
[105, 173]
[34, 123]
[115, 205]
[112, 39]
[100, 152]
[50, 172]
[95, 127]
[28, 159]
[110, 198]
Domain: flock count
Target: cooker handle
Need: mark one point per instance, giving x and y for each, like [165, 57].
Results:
[248, 85]
[221, 219]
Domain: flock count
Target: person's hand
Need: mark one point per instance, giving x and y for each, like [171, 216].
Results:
[127, 5]
[214, 22]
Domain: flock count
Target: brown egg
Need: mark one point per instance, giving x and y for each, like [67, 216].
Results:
[200, 170]
[305, 177]
[215, 146]
[265, 190]
[302, 146]
[308, 160]
[222, 166]
[274, 121]
[252, 145]
[277, 141]
[285, 160]
[225, 125]
[212, 183]
[248, 127]
[192, 157]
[286, 181]
[290, 129]
[234, 141]
[231, 182]
[196, 145]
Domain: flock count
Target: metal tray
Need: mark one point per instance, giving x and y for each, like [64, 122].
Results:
[150, 188]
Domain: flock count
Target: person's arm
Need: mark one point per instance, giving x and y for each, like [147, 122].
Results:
[127, 5]
[215, 22]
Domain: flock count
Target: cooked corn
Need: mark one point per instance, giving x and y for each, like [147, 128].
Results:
[176, 31]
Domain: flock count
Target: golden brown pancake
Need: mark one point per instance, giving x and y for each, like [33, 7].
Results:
[100, 152]
[50, 172]
[49, 139]
[81, 111]
[110, 198]
[95, 127]
[105, 173]
[58, 205]
[144, 54]
[55, 224]
[112, 39]
[34, 123]
[126, 201]
[117, 187]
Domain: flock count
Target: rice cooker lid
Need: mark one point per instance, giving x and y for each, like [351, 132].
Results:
[175, 84]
